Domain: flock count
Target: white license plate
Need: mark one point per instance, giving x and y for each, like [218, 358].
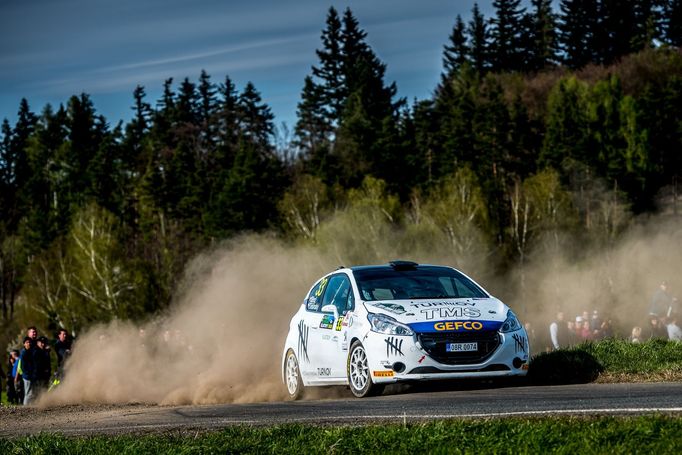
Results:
[461, 347]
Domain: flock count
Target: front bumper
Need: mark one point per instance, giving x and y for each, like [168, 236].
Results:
[408, 358]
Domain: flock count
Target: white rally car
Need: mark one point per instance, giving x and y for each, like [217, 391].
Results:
[369, 326]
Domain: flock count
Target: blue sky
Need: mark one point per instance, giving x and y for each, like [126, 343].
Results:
[52, 49]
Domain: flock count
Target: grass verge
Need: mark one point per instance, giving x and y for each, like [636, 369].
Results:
[610, 360]
[569, 435]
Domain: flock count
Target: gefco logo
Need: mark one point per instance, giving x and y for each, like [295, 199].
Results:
[456, 326]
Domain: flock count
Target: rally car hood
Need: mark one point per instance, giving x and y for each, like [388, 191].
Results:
[432, 315]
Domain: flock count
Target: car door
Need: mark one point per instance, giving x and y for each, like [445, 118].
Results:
[310, 328]
[340, 294]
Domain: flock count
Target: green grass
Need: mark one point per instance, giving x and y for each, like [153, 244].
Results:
[654, 360]
[567, 435]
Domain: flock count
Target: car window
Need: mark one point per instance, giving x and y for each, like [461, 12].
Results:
[423, 282]
[315, 296]
[338, 293]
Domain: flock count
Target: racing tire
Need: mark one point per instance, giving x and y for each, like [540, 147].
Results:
[292, 376]
[359, 377]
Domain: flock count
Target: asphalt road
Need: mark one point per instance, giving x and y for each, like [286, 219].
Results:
[586, 399]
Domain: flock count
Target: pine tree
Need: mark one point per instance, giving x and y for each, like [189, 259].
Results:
[206, 108]
[673, 22]
[479, 47]
[456, 51]
[543, 39]
[617, 29]
[330, 71]
[313, 132]
[567, 129]
[578, 32]
[136, 132]
[506, 34]
[8, 189]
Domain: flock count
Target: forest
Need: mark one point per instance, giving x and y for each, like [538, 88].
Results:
[548, 126]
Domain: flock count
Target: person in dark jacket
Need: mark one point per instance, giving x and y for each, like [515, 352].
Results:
[28, 371]
[63, 349]
[43, 364]
[13, 393]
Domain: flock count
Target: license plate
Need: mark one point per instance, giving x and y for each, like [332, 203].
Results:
[461, 347]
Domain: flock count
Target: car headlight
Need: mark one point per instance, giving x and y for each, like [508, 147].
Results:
[511, 324]
[385, 324]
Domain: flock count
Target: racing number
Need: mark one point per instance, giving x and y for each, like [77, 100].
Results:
[320, 288]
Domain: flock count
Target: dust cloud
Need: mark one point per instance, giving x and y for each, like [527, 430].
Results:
[222, 339]
[220, 342]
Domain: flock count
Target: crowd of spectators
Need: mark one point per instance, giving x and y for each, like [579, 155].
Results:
[661, 321]
[29, 370]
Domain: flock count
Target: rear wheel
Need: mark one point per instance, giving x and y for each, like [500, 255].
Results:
[292, 375]
[359, 377]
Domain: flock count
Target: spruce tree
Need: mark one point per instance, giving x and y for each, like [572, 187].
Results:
[673, 22]
[479, 44]
[313, 132]
[578, 32]
[330, 71]
[456, 51]
[543, 39]
[506, 33]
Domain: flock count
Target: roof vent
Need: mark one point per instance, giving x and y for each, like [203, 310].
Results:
[403, 265]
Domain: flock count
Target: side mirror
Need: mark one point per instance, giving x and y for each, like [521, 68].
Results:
[331, 309]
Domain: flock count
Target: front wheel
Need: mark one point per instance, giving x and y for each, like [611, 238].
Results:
[359, 378]
[292, 375]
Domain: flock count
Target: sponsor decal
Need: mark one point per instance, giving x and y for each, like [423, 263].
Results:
[320, 288]
[444, 313]
[394, 346]
[303, 341]
[421, 359]
[439, 304]
[324, 371]
[392, 307]
[519, 343]
[382, 374]
[455, 326]
[326, 337]
[339, 324]
[327, 321]
[458, 326]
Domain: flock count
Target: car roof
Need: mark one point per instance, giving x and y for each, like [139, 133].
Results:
[393, 267]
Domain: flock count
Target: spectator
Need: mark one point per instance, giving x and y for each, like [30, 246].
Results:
[43, 364]
[27, 370]
[13, 392]
[606, 329]
[63, 349]
[578, 328]
[674, 331]
[595, 321]
[636, 336]
[586, 331]
[655, 329]
[661, 302]
[558, 331]
[571, 333]
[32, 333]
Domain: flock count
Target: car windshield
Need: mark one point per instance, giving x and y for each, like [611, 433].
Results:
[422, 282]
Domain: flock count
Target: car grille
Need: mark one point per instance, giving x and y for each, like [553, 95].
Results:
[434, 345]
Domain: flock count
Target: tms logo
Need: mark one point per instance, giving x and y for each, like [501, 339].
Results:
[458, 325]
